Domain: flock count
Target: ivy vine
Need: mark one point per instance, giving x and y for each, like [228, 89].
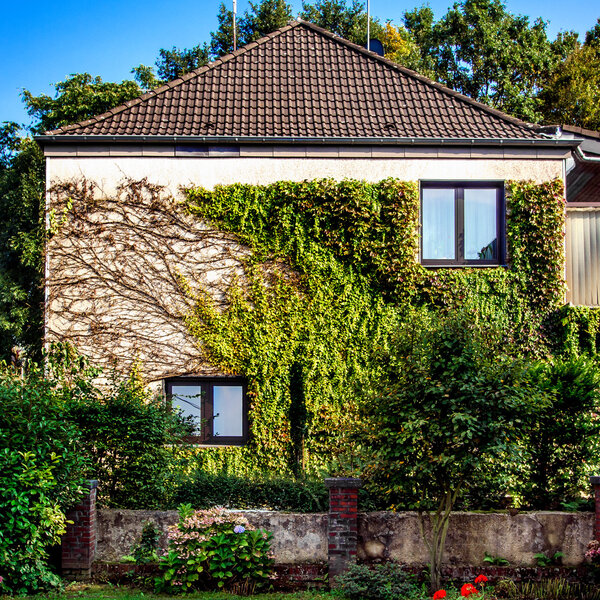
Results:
[333, 266]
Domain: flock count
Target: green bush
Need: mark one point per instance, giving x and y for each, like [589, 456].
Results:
[205, 490]
[131, 440]
[41, 472]
[560, 440]
[215, 549]
[383, 582]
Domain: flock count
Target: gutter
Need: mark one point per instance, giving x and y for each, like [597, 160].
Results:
[584, 158]
[408, 141]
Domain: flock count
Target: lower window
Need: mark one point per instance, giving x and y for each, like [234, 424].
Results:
[216, 408]
[462, 224]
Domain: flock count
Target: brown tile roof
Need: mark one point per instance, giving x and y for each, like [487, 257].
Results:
[303, 82]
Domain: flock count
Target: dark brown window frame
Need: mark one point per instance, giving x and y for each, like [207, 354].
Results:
[207, 384]
[459, 187]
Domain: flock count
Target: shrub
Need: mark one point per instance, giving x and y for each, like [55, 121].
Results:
[145, 550]
[41, 472]
[215, 549]
[560, 441]
[205, 490]
[129, 436]
[383, 582]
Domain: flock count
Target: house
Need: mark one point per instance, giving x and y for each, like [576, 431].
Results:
[583, 217]
[298, 104]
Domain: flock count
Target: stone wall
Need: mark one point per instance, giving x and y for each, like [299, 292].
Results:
[302, 538]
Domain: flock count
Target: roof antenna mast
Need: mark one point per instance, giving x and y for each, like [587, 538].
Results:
[368, 24]
[234, 26]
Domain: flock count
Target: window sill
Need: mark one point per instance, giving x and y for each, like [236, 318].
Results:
[447, 266]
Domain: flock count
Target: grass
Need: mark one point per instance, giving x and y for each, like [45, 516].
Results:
[114, 592]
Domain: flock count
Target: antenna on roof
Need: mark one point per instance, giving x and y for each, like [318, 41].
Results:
[368, 24]
[234, 27]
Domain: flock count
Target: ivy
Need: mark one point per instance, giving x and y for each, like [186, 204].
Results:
[333, 267]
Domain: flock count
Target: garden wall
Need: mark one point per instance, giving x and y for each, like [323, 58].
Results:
[302, 538]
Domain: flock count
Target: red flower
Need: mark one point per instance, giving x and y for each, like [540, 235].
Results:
[468, 589]
[439, 595]
[480, 579]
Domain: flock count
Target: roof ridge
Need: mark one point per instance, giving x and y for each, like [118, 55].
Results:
[177, 81]
[410, 73]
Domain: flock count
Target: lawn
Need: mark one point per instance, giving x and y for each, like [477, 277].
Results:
[113, 592]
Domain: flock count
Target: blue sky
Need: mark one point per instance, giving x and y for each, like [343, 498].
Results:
[44, 42]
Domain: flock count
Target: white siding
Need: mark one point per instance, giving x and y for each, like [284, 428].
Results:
[583, 256]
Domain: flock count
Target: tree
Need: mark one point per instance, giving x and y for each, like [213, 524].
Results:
[261, 19]
[450, 401]
[79, 97]
[175, 63]
[21, 242]
[561, 440]
[347, 21]
[222, 40]
[481, 50]
[22, 201]
[572, 94]
[400, 47]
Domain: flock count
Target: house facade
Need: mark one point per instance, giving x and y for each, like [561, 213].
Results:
[299, 104]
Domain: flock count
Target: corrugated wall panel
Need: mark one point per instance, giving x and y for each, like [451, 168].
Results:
[583, 257]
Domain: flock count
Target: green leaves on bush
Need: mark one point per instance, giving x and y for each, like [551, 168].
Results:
[41, 471]
[128, 435]
[205, 490]
[382, 582]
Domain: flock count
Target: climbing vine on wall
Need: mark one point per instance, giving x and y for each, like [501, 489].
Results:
[333, 266]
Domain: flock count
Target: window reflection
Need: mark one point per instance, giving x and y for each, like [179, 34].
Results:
[438, 224]
[228, 410]
[480, 224]
[188, 399]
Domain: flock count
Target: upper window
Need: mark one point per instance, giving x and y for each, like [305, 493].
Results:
[462, 224]
[215, 407]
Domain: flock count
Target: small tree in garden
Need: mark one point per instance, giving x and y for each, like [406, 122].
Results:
[450, 400]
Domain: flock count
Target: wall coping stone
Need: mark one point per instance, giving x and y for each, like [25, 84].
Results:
[343, 482]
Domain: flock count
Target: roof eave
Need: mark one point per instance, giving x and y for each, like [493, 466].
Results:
[208, 139]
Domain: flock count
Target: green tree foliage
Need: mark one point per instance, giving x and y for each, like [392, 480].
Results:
[346, 20]
[560, 442]
[21, 242]
[22, 173]
[174, 63]
[450, 400]
[571, 95]
[221, 40]
[145, 77]
[131, 441]
[483, 51]
[79, 97]
[41, 470]
[262, 18]
[259, 20]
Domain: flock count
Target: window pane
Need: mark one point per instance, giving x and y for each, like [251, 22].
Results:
[438, 224]
[227, 410]
[480, 224]
[187, 398]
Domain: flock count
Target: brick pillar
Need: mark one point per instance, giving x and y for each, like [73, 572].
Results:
[78, 545]
[342, 528]
[595, 481]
